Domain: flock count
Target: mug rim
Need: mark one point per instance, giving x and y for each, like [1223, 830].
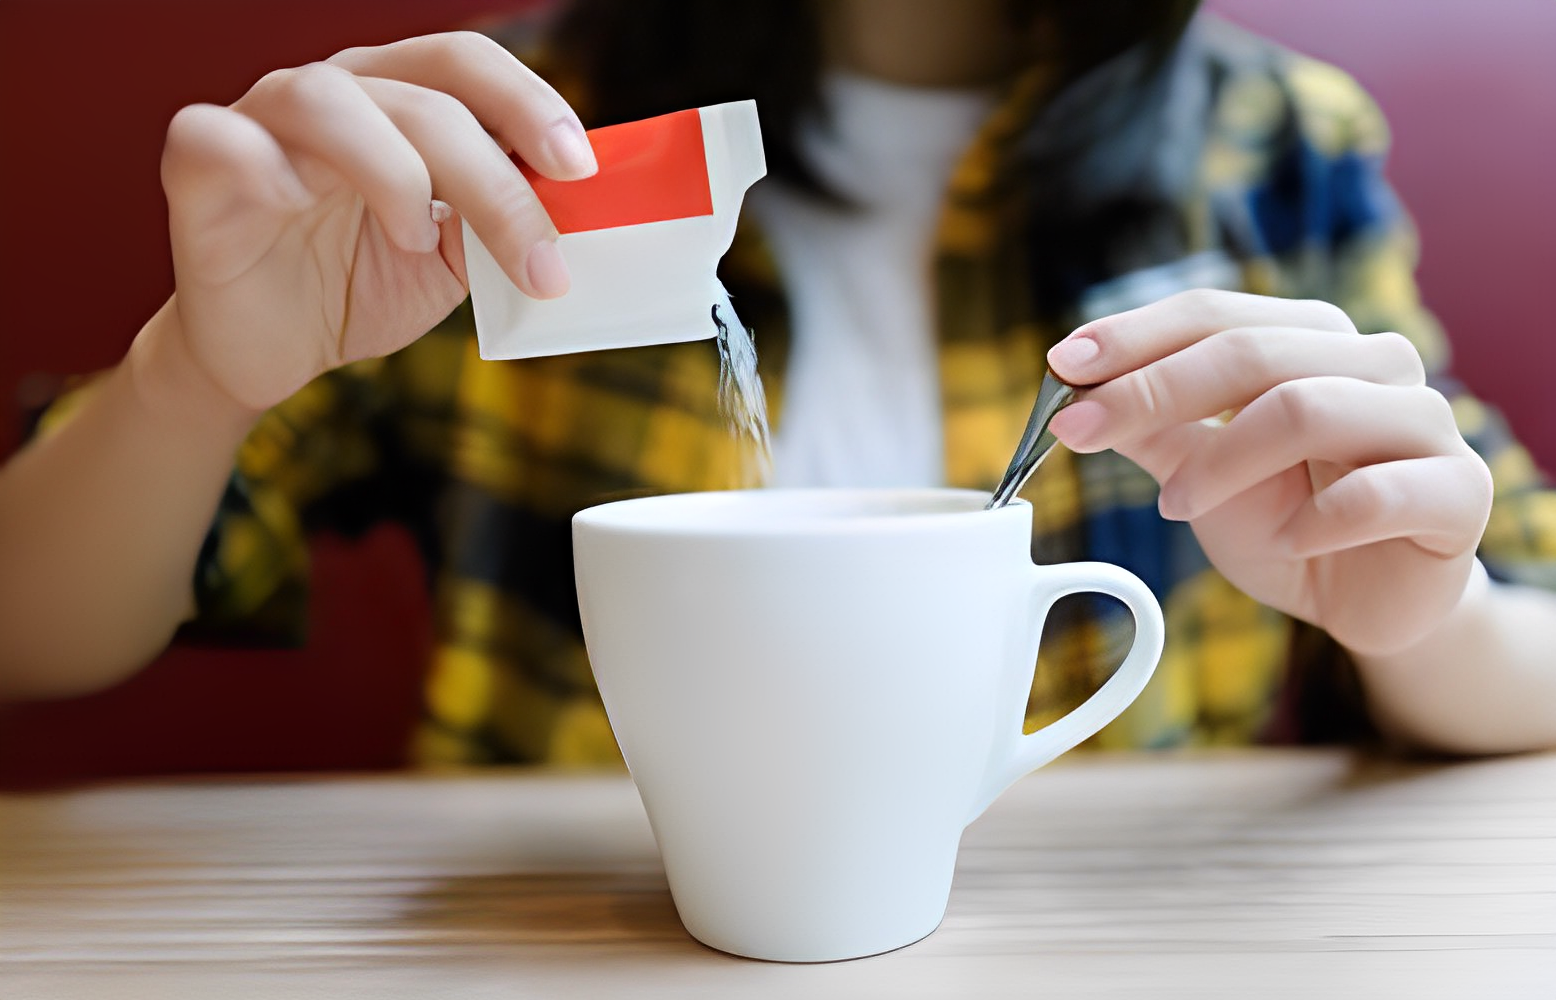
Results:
[823, 510]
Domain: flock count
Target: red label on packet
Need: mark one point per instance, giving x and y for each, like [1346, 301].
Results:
[650, 171]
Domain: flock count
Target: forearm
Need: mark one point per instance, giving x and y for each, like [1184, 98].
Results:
[101, 522]
[1482, 682]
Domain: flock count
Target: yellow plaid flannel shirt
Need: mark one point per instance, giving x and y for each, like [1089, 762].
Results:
[487, 462]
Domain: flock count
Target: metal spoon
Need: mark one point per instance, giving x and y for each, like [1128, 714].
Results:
[1036, 442]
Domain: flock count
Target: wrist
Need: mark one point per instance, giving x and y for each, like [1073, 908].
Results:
[168, 384]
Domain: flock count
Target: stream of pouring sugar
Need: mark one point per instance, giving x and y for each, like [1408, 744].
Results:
[742, 399]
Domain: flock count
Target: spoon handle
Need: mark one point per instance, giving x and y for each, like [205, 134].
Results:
[1036, 442]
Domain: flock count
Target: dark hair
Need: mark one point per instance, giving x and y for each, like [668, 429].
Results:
[632, 59]
[638, 58]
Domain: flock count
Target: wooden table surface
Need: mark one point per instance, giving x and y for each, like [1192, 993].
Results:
[1247, 874]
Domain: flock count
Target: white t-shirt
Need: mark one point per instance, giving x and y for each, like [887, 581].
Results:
[862, 391]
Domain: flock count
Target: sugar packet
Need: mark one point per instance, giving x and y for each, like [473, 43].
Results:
[642, 238]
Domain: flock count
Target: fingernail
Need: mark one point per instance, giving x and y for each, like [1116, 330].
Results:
[569, 150]
[1072, 355]
[546, 270]
[431, 236]
[1169, 504]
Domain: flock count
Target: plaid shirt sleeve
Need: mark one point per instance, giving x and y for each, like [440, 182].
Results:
[362, 444]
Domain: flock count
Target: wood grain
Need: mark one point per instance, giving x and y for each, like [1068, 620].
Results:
[1208, 874]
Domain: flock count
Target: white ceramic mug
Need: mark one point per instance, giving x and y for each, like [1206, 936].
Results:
[817, 690]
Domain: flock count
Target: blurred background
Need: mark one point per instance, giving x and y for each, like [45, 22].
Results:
[87, 88]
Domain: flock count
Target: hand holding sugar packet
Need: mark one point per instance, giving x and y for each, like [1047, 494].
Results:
[642, 238]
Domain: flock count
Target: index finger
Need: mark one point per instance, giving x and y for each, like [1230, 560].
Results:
[1115, 345]
[523, 112]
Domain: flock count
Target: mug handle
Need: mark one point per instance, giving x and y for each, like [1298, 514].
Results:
[1017, 754]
